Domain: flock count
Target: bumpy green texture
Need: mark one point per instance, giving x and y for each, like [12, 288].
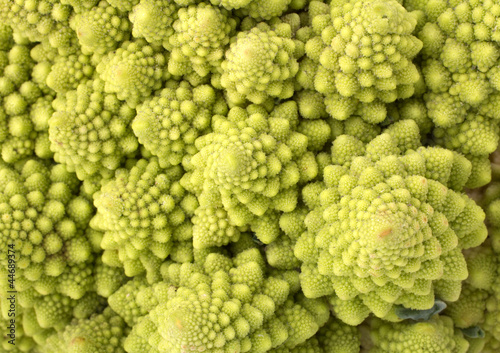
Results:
[202, 34]
[261, 63]
[258, 9]
[142, 211]
[364, 49]
[23, 127]
[250, 176]
[386, 226]
[492, 317]
[337, 337]
[133, 71]
[478, 305]
[436, 335]
[152, 20]
[469, 309]
[45, 19]
[90, 131]
[460, 59]
[101, 28]
[476, 137]
[15, 332]
[461, 53]
[249, 166]
[68, 72]
[103, 332]
[224, 304]
[45, 222]
[311, 346]
[169, 123]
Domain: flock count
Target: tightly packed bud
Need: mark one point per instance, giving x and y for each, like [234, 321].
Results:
[364, 53]
[261, 63]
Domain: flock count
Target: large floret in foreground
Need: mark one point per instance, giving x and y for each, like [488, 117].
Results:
[388, 228]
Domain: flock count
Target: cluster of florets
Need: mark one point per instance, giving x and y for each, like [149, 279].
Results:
[364, 51]
[219, 304]
[460, 58]
[250, 176]
[249, 167]
[24, 103]
[90, 130]
[169, 123]
[144, 214]
[261, 63]
[387, 229]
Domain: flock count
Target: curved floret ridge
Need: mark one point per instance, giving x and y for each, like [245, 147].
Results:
[436, 335]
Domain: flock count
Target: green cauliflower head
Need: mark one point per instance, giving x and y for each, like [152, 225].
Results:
[364, 51]
[388, 229]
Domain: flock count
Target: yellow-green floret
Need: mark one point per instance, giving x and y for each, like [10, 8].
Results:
[460, 53]
[46, 19]
[142, 211]
[44, 222]
[436, 335]
[261, 63]
[258, 9]
[152, 20]
[387, 227]
[459, 62]
[90, 131]
[202, 35]
[364, 49]
[169, 123]
[24, 104]
[103, 332]
[133, 71]
[101, 28]
[250, 166]
[225, 304]
[338, 337]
